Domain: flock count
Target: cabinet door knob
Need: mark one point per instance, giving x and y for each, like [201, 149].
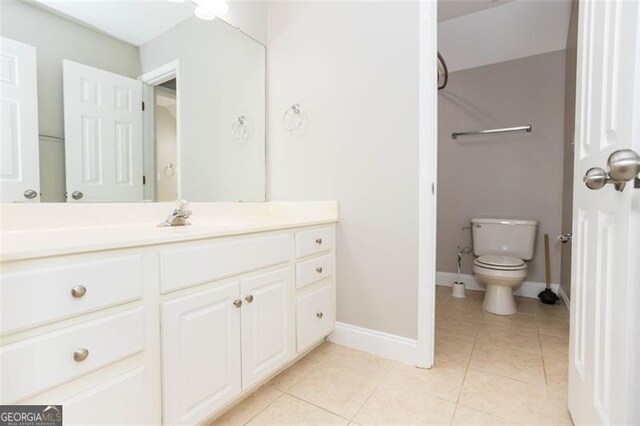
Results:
[238, 303]
[319, 269]
[80, 355]
[30, 194]
[319, 315]
[78, 291]
[249, 298]
[319, 241]
[77, 195]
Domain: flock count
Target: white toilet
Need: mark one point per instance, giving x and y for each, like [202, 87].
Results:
[502, 246]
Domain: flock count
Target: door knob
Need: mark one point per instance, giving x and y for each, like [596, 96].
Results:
[249, 298]
[565, 238]
[77, 195]
[237, 303]
[30, 194]
[623, 165]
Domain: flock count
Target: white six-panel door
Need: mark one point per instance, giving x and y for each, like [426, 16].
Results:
[267, 324]
[19, 153]
[103, 135]
[604, 343]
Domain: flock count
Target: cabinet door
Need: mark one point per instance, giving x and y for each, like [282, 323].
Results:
[267, 324]
[201, 353]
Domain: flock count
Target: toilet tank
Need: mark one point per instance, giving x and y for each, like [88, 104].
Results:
[508, 237]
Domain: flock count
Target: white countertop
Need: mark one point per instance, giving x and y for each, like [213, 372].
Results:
[210, 220]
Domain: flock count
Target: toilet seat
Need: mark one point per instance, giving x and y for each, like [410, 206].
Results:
[500, 263]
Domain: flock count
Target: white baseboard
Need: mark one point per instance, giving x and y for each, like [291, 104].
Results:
[527, 289]
[386, 345]
[564, 297]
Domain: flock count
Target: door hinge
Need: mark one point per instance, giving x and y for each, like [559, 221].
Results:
[143, 105]
[433, 188]
[144, 180]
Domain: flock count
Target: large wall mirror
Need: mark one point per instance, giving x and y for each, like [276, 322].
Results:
[128, 102]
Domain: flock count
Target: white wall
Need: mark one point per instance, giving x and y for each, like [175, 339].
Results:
[353, 67]
[222, 76]
[56, 38]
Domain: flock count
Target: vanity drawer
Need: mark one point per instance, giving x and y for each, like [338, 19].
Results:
[42, 362]
[315, 316]
[184, 267]
[119, 401]
[314, 270]
[314, 241]
[44, 295]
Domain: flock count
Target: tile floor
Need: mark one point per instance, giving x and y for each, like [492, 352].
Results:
[488, 370]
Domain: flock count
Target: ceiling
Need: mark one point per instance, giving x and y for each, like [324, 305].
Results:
[450, 9]
[133, 21]
[511, 30]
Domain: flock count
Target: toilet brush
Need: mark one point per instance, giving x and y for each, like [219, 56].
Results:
[547, 296]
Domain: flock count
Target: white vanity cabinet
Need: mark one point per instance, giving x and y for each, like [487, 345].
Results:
[201, 353]
[171, 333]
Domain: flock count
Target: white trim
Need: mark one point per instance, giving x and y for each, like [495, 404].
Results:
[565, 298]
[428, 173]
[385, 345]
[527, 289]
[156, 77]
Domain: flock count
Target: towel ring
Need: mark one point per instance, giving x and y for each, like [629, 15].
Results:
[170, 170]
[293, 118]
[240, 128]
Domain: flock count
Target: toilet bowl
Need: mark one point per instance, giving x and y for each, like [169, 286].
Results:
[501, 275]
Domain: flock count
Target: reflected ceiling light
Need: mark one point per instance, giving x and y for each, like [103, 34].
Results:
[203, 13]
[209, 9]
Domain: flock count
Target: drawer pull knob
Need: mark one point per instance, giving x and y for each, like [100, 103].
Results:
[319, 315]
[319, 241]
[238, 303]
[78, 291]
[80, 355]
[319, 269]
[249, 298]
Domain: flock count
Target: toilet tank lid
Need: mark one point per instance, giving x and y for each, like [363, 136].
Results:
[504, 221]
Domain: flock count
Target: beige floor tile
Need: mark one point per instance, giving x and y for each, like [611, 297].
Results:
[527, 305]
[460, 326]
[335, 388]
[438, 381]
[554, 412]
[391, 404]
[554, 346]
[510, 338]
[469, 416]
[516, 322]
[452, 351]
[292, 411]
[519, 365]
[361, 362]
[292, 375]
[557, 373]
[500, 396]
[557, 310]
[553, 326]
[249, 407]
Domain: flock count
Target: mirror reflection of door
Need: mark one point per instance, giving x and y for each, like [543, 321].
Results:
[166, 135]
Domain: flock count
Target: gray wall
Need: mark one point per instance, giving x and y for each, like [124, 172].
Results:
[515, 174]
[569, 130]
[56, 38]
[353, 67]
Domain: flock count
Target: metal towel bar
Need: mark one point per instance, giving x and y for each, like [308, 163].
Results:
[528, 128]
